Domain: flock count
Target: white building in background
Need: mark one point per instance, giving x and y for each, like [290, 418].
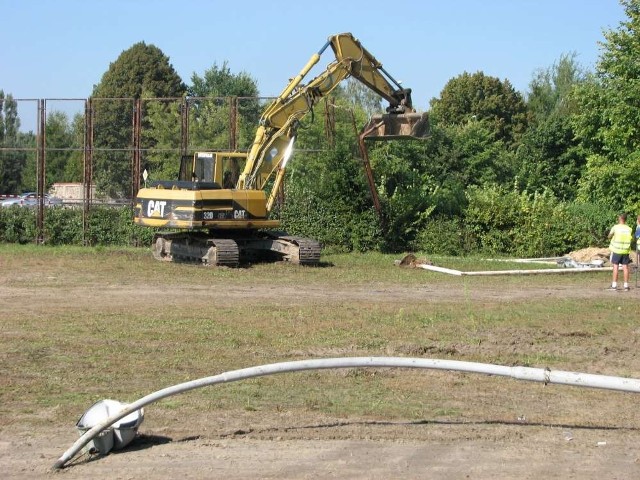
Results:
[70, 192]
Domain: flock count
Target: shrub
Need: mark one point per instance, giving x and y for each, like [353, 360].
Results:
[589, 224]
[331, 223]
[492, 217]
[114, 226]
[64, 226]
[520, 224]
[443, 236]
[17, 224]
[496, 221]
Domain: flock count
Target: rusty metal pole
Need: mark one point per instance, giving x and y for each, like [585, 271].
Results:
[136, 160]
[367, 169]
[87, 178]
[184, 131]
[185, 165]
[233, 123]
[330, 122]
[41, 169]
[133, 147]
[138, 170]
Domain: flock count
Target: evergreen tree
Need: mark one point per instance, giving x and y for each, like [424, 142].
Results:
[141, 71]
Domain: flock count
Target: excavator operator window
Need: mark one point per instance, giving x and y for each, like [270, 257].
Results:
[203, 167]
[230, 172]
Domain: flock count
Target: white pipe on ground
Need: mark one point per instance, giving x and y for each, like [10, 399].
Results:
[540, 271]
[433, 268]
[520, 373]
[544, 260]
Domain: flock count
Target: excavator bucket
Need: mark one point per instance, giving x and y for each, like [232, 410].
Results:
[392, 126]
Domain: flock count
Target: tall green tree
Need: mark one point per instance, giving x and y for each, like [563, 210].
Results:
[60, 139]
[163, 136]
[73, 171]
[549, 156]
[362, 97]
[608, 117]
[140, 71]
[482, 98]
[209, 102]
[210, 116]
[220, 81]
[12, 163]
[550, 89]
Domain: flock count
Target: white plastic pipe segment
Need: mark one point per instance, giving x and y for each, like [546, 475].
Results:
[519, 373]
[541, 271]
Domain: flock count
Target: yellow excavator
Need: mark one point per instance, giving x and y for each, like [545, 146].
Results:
[219, 214]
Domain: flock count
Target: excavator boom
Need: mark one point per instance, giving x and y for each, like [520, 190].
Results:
[280, 120]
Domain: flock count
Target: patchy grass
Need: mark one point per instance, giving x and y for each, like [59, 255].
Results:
[81, 324]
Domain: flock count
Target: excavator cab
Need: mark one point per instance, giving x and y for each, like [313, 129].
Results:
[222, 168]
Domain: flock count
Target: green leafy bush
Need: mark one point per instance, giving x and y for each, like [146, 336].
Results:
[589, 224]
[64, 226]
[512, 223]
[443, 236]
[114, 226]
[17, 225]
[492, 217]
[334, 224]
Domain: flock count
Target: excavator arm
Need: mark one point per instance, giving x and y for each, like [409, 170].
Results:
[221, 225]
[273, 143]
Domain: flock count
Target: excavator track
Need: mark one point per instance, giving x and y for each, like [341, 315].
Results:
[199, 248]
[308, 250]
[186, 248]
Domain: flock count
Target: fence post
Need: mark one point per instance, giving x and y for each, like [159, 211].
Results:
[233, 123]
[41, 169]
[136, 161]
[87, 177]
[184, 130]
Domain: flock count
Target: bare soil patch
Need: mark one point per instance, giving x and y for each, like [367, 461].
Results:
[66, 342]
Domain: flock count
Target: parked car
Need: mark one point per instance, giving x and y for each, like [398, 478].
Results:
[30, 199]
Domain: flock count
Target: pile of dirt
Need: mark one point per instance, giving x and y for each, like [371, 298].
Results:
[588, 255]
[411, 261]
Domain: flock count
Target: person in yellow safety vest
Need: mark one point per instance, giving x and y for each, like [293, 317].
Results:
[620, 248]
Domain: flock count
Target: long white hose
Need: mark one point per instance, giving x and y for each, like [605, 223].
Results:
[519, 373]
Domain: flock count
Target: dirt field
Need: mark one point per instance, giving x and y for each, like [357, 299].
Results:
[80, 325]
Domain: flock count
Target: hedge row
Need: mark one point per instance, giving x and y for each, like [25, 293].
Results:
[63, 226]
[499, 222]
[494, 221]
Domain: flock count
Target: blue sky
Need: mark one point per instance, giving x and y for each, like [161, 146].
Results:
[60, 49]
